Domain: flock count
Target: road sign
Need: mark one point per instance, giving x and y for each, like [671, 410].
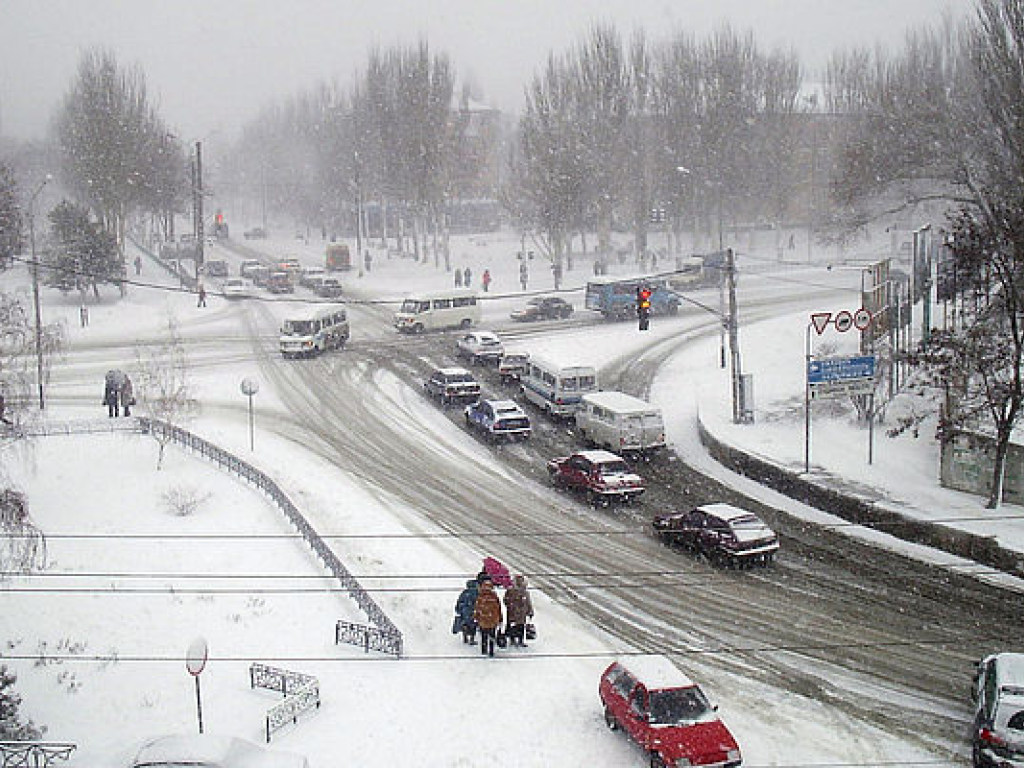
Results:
[831, 369]
[844, 321]
[862, 318]
[843, 388]
[820, 321]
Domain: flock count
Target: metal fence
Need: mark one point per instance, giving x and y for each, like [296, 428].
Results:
[34, 754]
[386, 637]
[301, 693]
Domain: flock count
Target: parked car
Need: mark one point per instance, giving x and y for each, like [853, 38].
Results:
[602, 475]
[997, 736]
[208, 750]
[217, 268]
[498, 418]
[512, 365]
[280, 281]
[247, 266]
[451, 385]
[666, 713]
[329, 288]
[236, 288]
[480, 347]
[310, 275]
[543, 308]
[256, 233]
[722, 533]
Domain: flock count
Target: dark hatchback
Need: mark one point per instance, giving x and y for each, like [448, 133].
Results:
[722, 533]
[543, 308]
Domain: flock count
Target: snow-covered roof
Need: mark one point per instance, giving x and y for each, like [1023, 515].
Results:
[656, 672]
[620, 402]
[725, 511]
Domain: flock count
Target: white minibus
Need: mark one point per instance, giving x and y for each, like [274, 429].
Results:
[314, 331]
[439, 309]
[557, 388]
[620, 422]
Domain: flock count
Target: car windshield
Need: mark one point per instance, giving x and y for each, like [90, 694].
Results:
[297, 328]
[414, 306]
[747, 522]
[678, 706]
[511, 410]
[460, 378]
[614, 468]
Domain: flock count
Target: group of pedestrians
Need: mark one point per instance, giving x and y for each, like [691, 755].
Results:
[464, 277]
[480, 608]
[118, 393]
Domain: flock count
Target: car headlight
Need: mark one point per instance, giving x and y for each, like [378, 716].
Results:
[732, 755]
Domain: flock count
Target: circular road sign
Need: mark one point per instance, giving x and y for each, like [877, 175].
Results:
[250, 387]
[862, 319]
[195, 658]
[844, 321]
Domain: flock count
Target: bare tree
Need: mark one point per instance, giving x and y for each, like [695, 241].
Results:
[165, 387]
[18, 358]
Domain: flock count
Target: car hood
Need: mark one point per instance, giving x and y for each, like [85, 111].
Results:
[701, 743]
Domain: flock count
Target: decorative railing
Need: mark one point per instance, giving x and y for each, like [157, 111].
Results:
[34, 754]
[370, 638]
[301, 693]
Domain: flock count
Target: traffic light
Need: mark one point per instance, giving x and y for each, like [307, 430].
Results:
[643, 307]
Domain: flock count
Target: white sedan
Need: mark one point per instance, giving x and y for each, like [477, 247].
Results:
[480, 347]
[236, 288]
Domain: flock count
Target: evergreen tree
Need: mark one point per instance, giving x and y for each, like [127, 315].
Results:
[11, 726]
[10, 217]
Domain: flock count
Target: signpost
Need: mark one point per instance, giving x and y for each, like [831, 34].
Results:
[195, 661]
[249, 388]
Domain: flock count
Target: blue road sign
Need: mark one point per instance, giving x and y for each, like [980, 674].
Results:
[840, 369]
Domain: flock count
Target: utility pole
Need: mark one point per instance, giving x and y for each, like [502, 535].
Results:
[738, 406]
[35, 287]
[197, 202]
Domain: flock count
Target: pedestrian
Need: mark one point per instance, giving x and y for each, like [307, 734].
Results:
[524, 274]
[486, 280]
[458, 278]
[138, 265]
[83, 315]
[467, 277]
[519, 610]
[367, 260]
[3, 414]
[464, 607]
[487, 615]
[556, 271]
[110, 394]
[127, 396]
[202, 296]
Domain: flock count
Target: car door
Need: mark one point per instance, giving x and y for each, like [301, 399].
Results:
[635, 716]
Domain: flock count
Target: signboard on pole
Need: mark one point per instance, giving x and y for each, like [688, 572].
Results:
[834, 377]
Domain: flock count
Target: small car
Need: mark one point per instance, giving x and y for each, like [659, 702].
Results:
[280, 282]
[498, 418]
[480, 347]
[450, 385]
[328, 288]
[245, 269]
[721, 532]
[543, 308]
[290, 265]
[256, 233]
[310, 275]
[512, 365]
[602, 475]
[217, 268]
[997, 735]
[199, 750]
[235, 288]
[666, 713]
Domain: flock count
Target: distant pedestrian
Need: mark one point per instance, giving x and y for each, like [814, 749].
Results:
[464, 608]
[467, 277]
[367, 260]
[127, 394]
[458, 278]
[556, 272]
[519, 610]
[524, 275]
[486, 280]
[202, 296]
[111, 395]
[3, 414]
[83, 315]
[487, 615]
[138, 265]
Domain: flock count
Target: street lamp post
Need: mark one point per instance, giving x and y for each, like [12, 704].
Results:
[35, 287]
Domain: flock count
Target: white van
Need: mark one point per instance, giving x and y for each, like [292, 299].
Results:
[436, 310]
[620, 422]
[557, 388]
[314, 331]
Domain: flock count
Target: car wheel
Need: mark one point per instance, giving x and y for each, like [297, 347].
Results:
[418, 328]
[610, 721]
[657, 761]
[466, 322]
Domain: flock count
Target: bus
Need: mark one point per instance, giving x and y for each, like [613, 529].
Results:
[456, 308]
[317, 330]
[557, 388]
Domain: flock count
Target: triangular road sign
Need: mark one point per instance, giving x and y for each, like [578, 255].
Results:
[820, 321]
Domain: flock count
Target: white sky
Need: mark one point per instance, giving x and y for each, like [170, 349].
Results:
[212, 64]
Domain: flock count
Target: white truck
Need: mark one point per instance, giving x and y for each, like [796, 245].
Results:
[620, 422]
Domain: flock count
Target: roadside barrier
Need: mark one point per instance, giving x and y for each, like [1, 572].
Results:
[301, 693]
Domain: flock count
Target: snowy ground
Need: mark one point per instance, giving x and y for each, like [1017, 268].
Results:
[441, 706]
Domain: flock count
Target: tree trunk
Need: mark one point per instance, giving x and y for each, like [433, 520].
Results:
[998, 470]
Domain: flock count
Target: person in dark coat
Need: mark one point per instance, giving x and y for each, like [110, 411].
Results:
[464, 607]
[487, 615]
[111, 396]
[519, 610]
[467, 276]
[127, 396]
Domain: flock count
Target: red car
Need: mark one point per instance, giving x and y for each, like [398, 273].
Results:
[601, 474]
[666, 713]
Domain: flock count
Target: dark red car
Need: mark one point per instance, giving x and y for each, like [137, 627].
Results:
[666, 713]
[602, 475]
[722, 533]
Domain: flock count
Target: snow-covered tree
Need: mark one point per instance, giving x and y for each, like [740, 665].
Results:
[82, 255]
[12, 727]
[10, 217]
